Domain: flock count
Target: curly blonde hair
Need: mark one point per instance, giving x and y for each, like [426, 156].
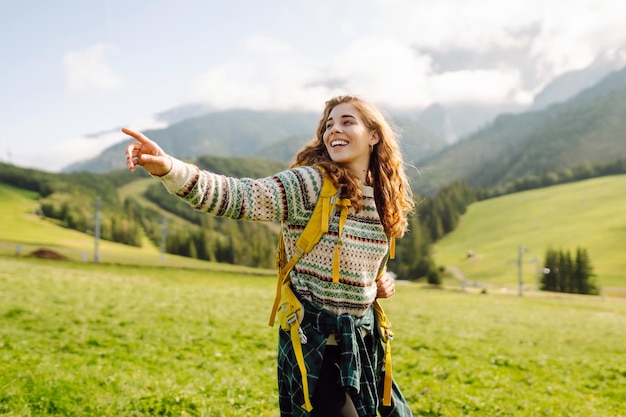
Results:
[386, 174]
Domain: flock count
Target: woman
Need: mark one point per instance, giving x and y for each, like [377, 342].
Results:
[358, 150]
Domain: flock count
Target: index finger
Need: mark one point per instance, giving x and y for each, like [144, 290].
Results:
[137, 135]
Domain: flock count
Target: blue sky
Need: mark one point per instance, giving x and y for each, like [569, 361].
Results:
[72, 71]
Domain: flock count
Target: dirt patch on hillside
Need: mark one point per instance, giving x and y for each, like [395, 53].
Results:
[44, 253]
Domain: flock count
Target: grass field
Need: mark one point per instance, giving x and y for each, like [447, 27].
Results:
[589, 214]
[23, 231]
[137, 335]
[103, 340]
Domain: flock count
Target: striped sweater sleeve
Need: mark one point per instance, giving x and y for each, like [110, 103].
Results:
[288, 196]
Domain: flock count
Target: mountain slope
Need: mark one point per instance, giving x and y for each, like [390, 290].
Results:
[571, 83]
[242, 133]
[588, 214]
[585, 129]
[416, 142]
[589, 135]
[225, 133]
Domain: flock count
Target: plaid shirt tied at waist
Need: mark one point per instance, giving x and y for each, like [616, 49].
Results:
[361, 363]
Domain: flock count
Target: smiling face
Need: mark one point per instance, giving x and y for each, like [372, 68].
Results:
[347, 139]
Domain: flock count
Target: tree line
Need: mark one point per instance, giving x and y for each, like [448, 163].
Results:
[69, 199]
[549, 178]
[199, 235]
[567, 272]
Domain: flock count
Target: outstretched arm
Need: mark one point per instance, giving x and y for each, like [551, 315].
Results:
[147, 154]
[275, 198]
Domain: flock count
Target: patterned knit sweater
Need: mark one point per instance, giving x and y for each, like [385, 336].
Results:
[289, 197]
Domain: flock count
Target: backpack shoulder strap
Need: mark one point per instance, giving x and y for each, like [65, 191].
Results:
[312, 233]
[384, 328]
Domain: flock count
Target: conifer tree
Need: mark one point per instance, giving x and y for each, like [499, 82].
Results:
[583, 273]
[566, 268]
[550, 280]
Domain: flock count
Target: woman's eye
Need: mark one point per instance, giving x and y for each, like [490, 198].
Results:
[329, 126]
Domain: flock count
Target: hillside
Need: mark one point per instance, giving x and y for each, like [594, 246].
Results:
[416, 143]
[569, 84]
[246, 133]
[135, 212]
[20, 225]
[237, 133]
[585, 129]
[21, 229]
[590, 214]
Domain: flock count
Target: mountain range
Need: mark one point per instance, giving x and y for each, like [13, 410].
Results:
[273, 135]
[586, 129]
[571, 123]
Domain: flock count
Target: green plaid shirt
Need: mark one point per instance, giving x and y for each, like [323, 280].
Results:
[361, 364]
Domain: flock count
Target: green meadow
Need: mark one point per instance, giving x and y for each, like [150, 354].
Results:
[111, 340]
[141, 335]
[590, 214]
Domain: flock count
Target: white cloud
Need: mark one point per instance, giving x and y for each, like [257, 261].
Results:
[61, 153]
[268, 73]
[87, 70]
[384, 70]
[392, 57]
[573, 36]
[556, 37]
[146, 122]
[264, 73]
[478, 86]
[476, 26]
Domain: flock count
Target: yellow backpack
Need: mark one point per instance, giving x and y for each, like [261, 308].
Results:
[286, 304]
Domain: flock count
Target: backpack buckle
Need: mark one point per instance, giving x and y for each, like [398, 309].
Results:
[291, 319]
[299, 252]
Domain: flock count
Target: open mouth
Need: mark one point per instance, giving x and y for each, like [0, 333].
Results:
[336, 143]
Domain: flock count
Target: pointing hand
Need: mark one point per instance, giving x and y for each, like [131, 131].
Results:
[147, 154]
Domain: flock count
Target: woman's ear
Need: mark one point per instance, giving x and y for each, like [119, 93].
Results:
[375, 139]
